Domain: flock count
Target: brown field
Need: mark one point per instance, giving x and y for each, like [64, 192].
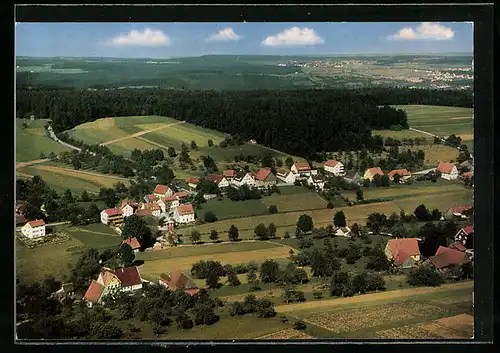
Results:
[451, 300]
[103, 179]
[467, 137]
[286, 334]
[435, 153]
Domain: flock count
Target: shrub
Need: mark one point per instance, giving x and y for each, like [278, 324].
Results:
[424, 275]
[273, 209]
[210, 217]
[299, 325]
[329, 205]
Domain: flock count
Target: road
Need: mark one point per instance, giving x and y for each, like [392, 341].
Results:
[55, 138]
[140, 133]
[36, 161]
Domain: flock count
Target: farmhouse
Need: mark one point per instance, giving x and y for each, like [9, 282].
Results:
[353, 177]
[229, 174]
[264, 177]
[180, 195]
[285, 176]
[133, 242]
[457, 211]
[112, 216]
[184, 213]
[448, 171]
[34, 229]
[464, 236]
[193, 182]
[446, 257]
[243, 178]
[162, 191]
[179, 281]
[403, 173]
[342, 232]
[128, 208]
[334, 167]
[154, 208]
[302, 168]
[316, 180]
[371, 172]
[150, 198]
[220, 181]
[404, 252]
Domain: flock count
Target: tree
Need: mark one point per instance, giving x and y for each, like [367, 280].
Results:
[355, 229]
[378, 260]
[329, 205]
[286, 235]
[107, 331]
[339, 219]
[171, 152]
[252, 280]
[422, 213]
[359, 195]
[210, 217]
[195, 236]
[305, 223]
[384, 180]
[269, 271]
[85, 196]
[299, 325]
[424, 275]
[233, 233]
[396, 178]
[68, 197]
[273, 209]
[126, 255]
[261, 232]
[194, 146]
[108, 196]
[212, 280]
[214, 235]
[136, 226]
[271, 229]
[210, 143]
[305, 242]
[232, 277]
[289, 162]
[184, 322]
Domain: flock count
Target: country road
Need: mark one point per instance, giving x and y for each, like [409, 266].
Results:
[56, 139]
[36, 161]
[140, 133]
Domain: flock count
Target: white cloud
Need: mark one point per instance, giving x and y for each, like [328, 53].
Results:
[424, 31]
[148, 37]
[224, 35]
[294, 36]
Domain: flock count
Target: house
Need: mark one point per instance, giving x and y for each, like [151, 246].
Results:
[20, 220]
[66, 292]
[220, 181]
[34, 229]
[316, 180]
[448, 171]
[229, 174]
[371, 172]
[150, 198]
[243, 178]
[94, 293]
[180, 195]
[134, 243]
[128, 208]
[353, 177]
[464, 236]
[403, 173]
[129, 277]
[179, 281]
[467, 164]
[168, 204]
[458, 246]
[457, 211]
[112, 215]
[342, 232]
[162, 191]
[404, 252]
[193, 182]
[184, 213]
[286, 176]
[446, 257]
[21, 206]
[264, 177]
[155, 209]
[334, 167]
[302, 168]
[144, 212]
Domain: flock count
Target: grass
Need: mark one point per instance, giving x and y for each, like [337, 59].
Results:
[435, 153]
[32, 140]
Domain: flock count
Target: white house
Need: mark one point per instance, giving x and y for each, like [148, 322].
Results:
[286, 176]
[316, 180]
[303, 169]
[112, 215]
[193, 182]
[168, 204]
[34, 229]
[448, 171]
[154, 208]
[220, 181]
[243, 178]
[334, 167]
[184, 213]
[128, 208]
[162, 191]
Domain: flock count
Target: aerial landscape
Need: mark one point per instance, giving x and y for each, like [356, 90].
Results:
[244, 181]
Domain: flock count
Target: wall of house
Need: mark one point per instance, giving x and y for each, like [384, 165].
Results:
[104, 217]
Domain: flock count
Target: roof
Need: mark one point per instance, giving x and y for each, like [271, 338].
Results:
[37, 223]
[181, 194]
[150, 197]
[128, 276]
[192, 292]
[214, 177]
[375, 170]
[193, 180]
[401, 172]
[21, 205]
[468, 230]
[343, 229]
[446, 256]
[161, 189]
[127, 202]
[262, 174]
[282, 172]
[170, 198]
[94, 292]
[302, 166]
[133, 242]
[445, 168]
[153, 207]
[113, 211]
[459, 246]
[317, 178]
[351, 174]
[459, 209]
[468, 175]
[229, 173]
[179, 280]
[144, 212]
[185, 209]
[401, 249]
[331, 163]
[20, 219]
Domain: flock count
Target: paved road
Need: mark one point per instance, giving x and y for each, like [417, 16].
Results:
[55, 138]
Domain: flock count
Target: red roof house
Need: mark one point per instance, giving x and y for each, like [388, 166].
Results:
[446, 257]
[468, 175]
[161, 189]
[445, 168]
[301, 166]
[37, 223]
[94, 292]
[133, 242]
[405, 252]
[185, 209]
[229, 173]
[331, 163]
[214, 178]
[179, 281]
[400, 172]
[180, 195]
[144, 212]
[128, 276]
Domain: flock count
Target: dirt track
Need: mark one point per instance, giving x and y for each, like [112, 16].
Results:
[36, 161]
[140, 133]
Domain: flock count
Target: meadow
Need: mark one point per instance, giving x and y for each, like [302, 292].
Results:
[32, 140]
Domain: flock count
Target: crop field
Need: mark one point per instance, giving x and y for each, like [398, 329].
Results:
[62, 178]
[295, 202]
[32, 140]
[286, 334]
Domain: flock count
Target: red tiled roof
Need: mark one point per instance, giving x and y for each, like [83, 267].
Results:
[469, 229]
[331, 163]
[302, 166]
[445, 168]
[262, 174]
[459, 209]
[37, 223]
[178, 280]
[153, 207]
[170, 198]
[160, 189]
[181, 194]
[400, 257]
[401, 172]
[214, 177]
[133, 242]
[468, 175]
[193, 180]
[375, 170]
[128, 276]
[144, 212]
[459, 246]
[229, 173]
[150, 197]
[127, 202]
[192, 292]
[113, 211]
[446, 256]
[185, 209]
[403, 247]
[94, 292]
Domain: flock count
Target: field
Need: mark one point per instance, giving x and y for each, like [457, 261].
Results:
[64, 177]
[32, 140]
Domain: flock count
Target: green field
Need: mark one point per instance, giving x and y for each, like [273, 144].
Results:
[32, 140]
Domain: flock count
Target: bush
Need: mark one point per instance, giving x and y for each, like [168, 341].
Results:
[299, 325]
[240, 269]
[273, 209]
[286, 236]
[329, 205]
[210, 217]
[424, 275]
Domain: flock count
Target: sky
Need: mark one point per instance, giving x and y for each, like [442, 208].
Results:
[166, 40]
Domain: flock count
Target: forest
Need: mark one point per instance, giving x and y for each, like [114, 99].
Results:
[283, 120]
